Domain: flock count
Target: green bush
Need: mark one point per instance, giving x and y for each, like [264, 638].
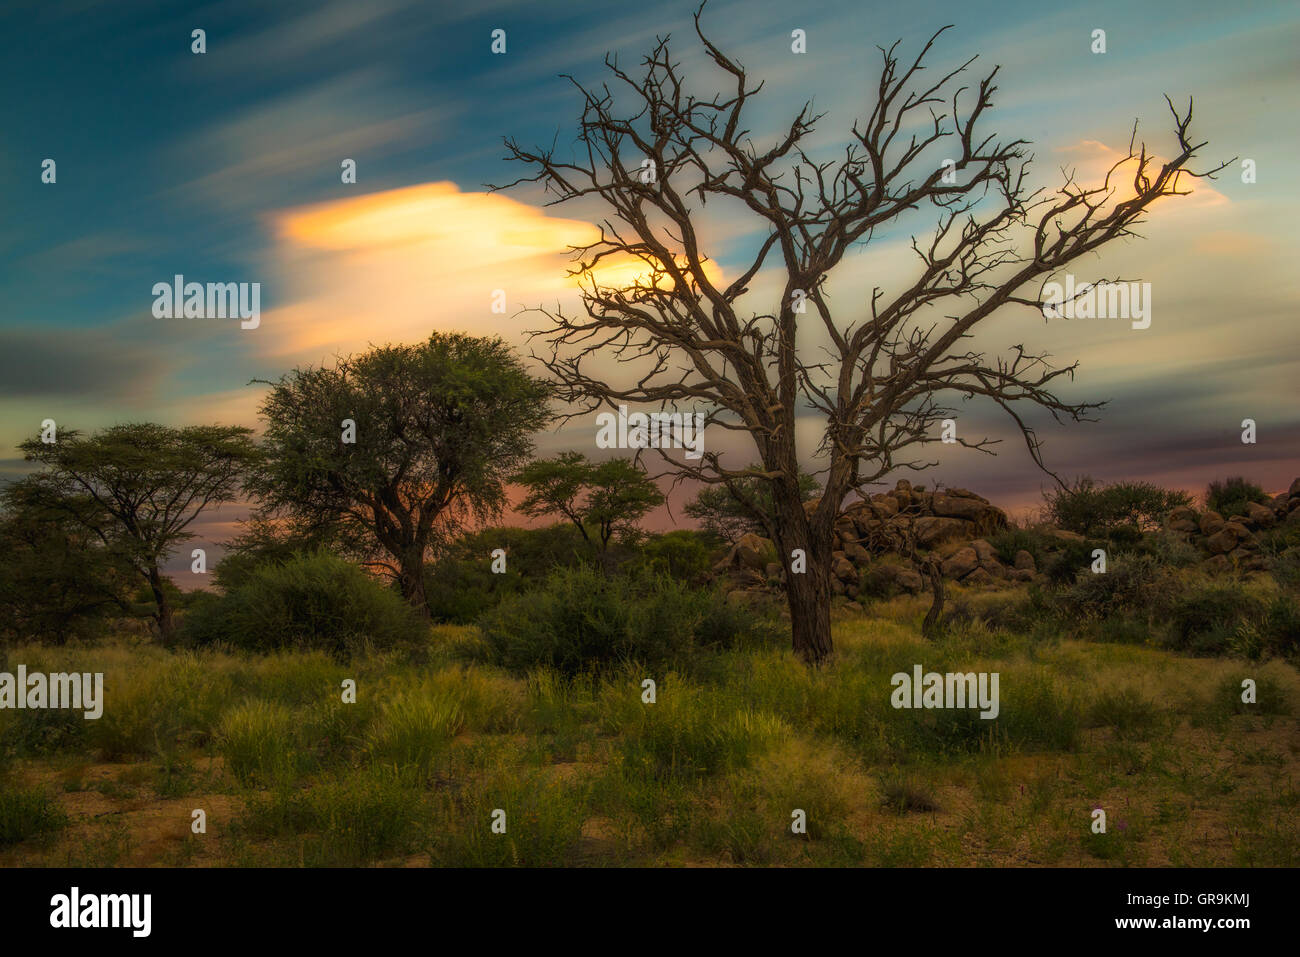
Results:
[28, 813]
[1091, 508]
[581, 620]
[1229, 496]
[1131, 583]
[461, 585]
[310, 602]
[1205, 620]
[682, 555]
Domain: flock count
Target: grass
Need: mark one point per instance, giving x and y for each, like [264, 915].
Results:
[715, 771]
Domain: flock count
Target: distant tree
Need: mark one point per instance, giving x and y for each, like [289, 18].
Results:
[436, 428]
[743, 506]
[137, 488]
[599, 498]
[1230, 496]
[57, 579]
[1091, 508]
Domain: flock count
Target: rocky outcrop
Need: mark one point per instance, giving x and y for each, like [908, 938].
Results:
[1232, 541]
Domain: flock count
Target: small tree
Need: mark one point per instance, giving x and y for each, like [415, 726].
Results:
[599, 498]
[743, 506]
[137, 489]
[1230, 496]
[1091, 508]
[57, 579]
[399, 445]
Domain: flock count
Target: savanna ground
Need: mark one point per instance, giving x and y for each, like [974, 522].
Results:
[709, 774]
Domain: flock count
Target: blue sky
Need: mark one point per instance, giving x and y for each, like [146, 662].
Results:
[225, 167]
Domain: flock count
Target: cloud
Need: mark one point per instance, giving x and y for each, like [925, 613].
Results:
[398, 264]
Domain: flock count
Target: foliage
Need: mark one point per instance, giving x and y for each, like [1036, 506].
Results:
[731, 514]
[581, 620]
[437, 428]
[600, 499]
[311, 601]
[1230, 496]
[1090, 508]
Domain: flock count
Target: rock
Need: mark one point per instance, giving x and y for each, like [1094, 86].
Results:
[1210, 522]
[1022, 574]
[843, 570]
[900, 576]
[773, 571]
[856, 554]
[932, 530]
[962, 563]
[985, 552]
[1181, 519]
[1062, 535]
[853, 606]
[950, 506]
[1217, 565]
[837, 586]
[1025, 563]
[1261, 515]
[979, 576]
[1294, 490]
[750, 552]
[1225, 539]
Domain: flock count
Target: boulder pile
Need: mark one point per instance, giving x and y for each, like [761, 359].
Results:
[1232, 541]
[881, 542]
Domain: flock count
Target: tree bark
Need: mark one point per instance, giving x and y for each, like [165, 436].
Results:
[934, 617]
[808, 593]
[411, 579]
[163, 614]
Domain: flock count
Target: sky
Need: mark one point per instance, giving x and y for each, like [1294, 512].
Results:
[225, 166]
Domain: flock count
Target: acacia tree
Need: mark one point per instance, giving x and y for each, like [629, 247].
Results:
[434, 430]
[729, 516]
[137, 488]
[681, 335]
[599, 498]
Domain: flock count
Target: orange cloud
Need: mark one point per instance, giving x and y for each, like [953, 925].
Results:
[1091, 160]
[396, 265]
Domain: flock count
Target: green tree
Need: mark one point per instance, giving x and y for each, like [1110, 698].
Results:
[435, 427]
[742, 505]
[599, 498]
[57, 580]
[1230, 496]
[1091, 508]
[138, 487]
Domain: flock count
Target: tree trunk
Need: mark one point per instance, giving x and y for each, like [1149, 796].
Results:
[808, 593]
[411, 579]
[934, 617]
[163, 614]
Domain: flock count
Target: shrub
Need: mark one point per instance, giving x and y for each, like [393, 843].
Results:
[461, 585]
[1229, 496]
[1205, 620]
[28, 813]
[311, 601]
[1131, 583]
[255, 738]
[580, 620]
[1091, 508]
[682, 555]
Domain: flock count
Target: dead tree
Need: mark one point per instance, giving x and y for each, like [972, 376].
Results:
[676, 336]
